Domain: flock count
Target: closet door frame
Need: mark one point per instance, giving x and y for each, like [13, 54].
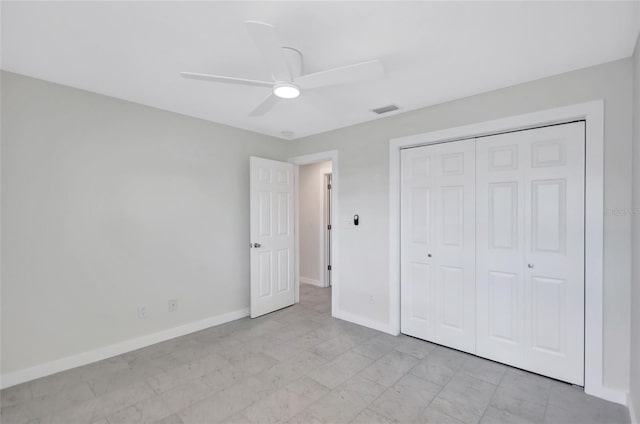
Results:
[593, 115]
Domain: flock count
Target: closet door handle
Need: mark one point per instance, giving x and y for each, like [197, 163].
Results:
[530, 265]
[428, 255]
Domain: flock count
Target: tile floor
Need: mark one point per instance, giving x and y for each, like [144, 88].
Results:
[299, 365]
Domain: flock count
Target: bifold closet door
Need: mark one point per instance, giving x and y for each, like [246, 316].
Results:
[438, 243]
[530, 250]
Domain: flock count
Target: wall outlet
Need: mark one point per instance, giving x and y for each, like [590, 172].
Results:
[142, 311]
[173, 305]
[371, 300]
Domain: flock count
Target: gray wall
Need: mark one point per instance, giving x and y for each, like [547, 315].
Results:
[107, 205]
[635, 281]
[364, 186]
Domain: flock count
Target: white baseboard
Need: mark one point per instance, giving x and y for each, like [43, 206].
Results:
[311, 281]
[365, 322]
[632, 410]
[84, 358]
[607, 393]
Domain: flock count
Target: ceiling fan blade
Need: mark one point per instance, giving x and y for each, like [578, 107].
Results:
[266, 105]
[230, 80]
[265, 37]
[355, 73]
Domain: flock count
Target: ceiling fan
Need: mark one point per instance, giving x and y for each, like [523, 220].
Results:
[285, 64]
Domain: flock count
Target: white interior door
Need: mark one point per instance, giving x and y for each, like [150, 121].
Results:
[438, 243]
[272, 238]
[530, 255]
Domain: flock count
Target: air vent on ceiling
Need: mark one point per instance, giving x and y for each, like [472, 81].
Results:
[385, 109]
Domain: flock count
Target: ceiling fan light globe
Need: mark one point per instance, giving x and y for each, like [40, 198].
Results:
[286, 91]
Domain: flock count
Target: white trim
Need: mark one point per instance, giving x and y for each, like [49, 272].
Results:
[632, 410]
[296, 239]
[606, 393]
[331, 155]
[84, 358]
[360, 320]
[311, 281]
[322, 230]
[593, 113]
[326, 236]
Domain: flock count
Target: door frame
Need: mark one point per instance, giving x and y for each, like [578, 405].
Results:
[327, 219]
[593, 113]
[331, 155]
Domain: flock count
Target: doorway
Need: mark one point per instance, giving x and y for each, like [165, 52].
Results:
[316, 210]
[314, 230]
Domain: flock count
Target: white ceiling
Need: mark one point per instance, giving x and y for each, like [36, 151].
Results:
[432, 51]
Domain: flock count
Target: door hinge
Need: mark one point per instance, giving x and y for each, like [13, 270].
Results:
[329, 187]
[329, 227]
[329, 267]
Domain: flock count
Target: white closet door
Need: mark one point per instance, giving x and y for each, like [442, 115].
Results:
[438, 243]
[530, 250]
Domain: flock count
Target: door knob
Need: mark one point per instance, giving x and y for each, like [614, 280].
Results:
[530, 265]
[257, 245]
[428, 255]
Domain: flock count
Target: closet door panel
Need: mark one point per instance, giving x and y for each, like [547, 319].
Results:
[530, 250]
[500, 262]
[555, 251]
[454, 254]
[438, 241]
[417, 235]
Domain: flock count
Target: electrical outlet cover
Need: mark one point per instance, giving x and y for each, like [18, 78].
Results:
[173, 305]
[142, 311]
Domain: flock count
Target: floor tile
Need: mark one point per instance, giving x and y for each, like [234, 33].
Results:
[439, 366]
[164, 405]
[345, 402]
[390, 368]
[494, 415]
[191, 370]
[377, 346]
[222, 378]
[15, 395]
[489, 371]
[406, 399]
[290, 369]
[340, 369]
[225, 403]
[433, 416]
[528, 408]
[415, 347]
[41, 406]
[284, 404]
[171, 419]
[464, 398]
[525, 385]
[371, 417]
[101, 407]
[253, 363]
[569, 404]
[334, 347]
